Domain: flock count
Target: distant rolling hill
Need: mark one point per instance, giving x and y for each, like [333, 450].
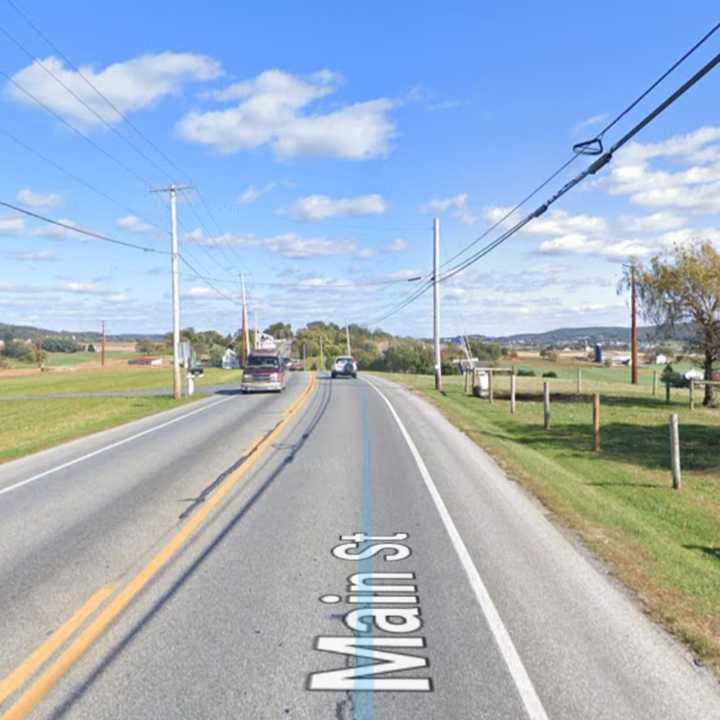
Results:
[28, 332]
[592, 335]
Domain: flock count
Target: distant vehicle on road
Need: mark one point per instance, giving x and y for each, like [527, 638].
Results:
[264, 371]
[344, 366]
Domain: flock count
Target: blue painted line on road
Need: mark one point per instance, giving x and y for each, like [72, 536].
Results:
[362, 701]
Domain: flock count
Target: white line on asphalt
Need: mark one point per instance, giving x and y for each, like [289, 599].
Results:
[526, 689]
[32, 479]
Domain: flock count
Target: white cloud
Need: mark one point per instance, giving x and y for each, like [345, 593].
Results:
[55, 231]
[130, 85]
[560, 222]
[441, 205]
[293, 246]
[590, 122]
[28, 198]
[314, 208]
[696, 188]
[252, 193]
[656, 222]
[579, 244]
[689, 235]
[39, 256]
[11, 225]
[288, 245]
[273, 110]
[689, 146]
[396, 245]
[132, 223]
[456, 203]
[198, 237]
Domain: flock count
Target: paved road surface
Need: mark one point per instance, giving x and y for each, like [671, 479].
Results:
[482, 608]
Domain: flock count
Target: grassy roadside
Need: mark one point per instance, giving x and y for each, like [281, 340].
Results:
[97, 380]
[663, 544]
[28, 426]
[33, 425]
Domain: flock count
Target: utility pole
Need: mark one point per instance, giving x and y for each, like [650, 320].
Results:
[245, 329]
[436, 304]
[347, 338]
[633, 328]
[177, 383]
[102, 351]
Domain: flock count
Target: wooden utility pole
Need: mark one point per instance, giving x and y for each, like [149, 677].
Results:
[546, 405]
[513, 386]
[633, 326]
[102, 351]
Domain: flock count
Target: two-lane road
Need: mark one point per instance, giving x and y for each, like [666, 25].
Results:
[372, 563]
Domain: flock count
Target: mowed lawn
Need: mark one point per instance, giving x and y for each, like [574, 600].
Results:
[32, 425]
[27, 426]
[110, 379]
[662, 543]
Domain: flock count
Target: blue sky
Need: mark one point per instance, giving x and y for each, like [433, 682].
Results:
[324, 138]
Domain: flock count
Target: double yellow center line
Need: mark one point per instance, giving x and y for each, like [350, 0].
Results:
[51, 676]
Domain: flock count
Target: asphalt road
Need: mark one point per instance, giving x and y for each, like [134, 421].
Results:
[472, 606]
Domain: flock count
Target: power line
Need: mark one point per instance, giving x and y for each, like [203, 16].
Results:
[590, 170]
[92, 110]
[207, 280]
[657, 82]
[76, 178]
[593, 146]
[82, 231]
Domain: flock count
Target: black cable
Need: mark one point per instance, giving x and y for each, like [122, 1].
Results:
[671, 69]
[593, 167]
[593, 143]
[82, 231]
[90, 109]
[206, 279]
[590, 170]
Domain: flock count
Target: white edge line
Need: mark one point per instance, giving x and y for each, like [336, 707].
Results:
[68, 464]
[524, 684]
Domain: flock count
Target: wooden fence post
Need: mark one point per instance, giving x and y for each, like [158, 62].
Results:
[513, 384]
[675, 452]
[546, 404]
[596, 422]
[491, 396]
[692, 394]
[654, 383]
[579, 380]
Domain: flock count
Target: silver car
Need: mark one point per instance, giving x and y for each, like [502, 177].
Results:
[344, 366]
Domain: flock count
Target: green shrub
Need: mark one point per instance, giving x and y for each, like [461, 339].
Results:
[550, 374]
[524, 372]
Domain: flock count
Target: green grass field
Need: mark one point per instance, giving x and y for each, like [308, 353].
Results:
[131, 378]
[35, 424]
[68, 359]
[664, 544]
[32, 425]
